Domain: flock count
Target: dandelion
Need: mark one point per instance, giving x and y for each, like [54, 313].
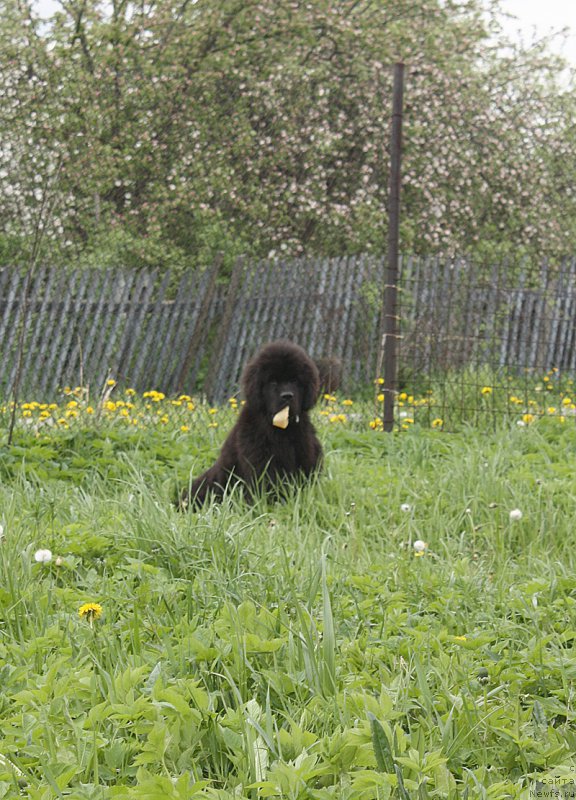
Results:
[111, 382]
[347, 402]
[460, 638]
[437, 423]
[43, 556]
[486, 390]
[406, 508]
[379, 381]
[527, 418]
[515, 514]
[566, 401]
[184, 428]
[90, 611]
[380, 398]
[420, 547]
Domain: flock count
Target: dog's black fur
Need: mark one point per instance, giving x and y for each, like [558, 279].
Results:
[263, 457]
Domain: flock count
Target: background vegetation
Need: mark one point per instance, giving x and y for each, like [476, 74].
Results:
[159, 133]
[403, 627]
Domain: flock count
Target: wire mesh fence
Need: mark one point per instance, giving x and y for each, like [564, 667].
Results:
[476, 344]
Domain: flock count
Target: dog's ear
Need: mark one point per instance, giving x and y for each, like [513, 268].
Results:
[311, 387]
[251, 383]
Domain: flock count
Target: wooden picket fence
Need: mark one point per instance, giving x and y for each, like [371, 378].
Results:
[153, 330]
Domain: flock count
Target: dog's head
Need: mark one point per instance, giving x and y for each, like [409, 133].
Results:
[281, 376]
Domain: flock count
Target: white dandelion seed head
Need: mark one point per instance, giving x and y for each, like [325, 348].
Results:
[515, 514]
[405, 507]
[420, 546]
[43, 556]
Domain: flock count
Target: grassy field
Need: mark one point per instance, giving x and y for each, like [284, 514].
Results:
[301, 650]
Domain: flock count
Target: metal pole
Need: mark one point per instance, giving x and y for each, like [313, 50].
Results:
[391, 334]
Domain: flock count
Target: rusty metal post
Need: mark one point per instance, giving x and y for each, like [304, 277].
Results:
[391, 327]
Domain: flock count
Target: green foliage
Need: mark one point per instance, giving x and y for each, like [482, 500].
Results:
[163, 136]
[293, 650]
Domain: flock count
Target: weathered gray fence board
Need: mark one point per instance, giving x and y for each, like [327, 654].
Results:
[173, 317]
[145, 332]
[80, 327]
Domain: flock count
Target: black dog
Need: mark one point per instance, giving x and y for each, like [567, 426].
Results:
[273, 439]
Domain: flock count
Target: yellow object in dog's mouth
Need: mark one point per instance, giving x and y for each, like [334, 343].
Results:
[281, 419]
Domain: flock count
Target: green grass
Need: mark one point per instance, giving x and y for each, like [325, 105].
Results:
[298, 650]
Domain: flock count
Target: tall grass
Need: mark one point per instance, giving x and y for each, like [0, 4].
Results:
[303, 649]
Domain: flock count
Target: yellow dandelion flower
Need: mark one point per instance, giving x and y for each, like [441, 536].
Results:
[460, 638]
[111, 382]
[347, 402]
[380, 398]
[89, 410]
[184, 428]
[566, 401]
[213, 425]
[437, 423]
[379, 381]
[376, 424]
[486, 390]
[551, 409]
[90, 611]
[212, 410]
[527, 418]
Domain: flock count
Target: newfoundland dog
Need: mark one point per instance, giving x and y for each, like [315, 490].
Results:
[273, 440]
